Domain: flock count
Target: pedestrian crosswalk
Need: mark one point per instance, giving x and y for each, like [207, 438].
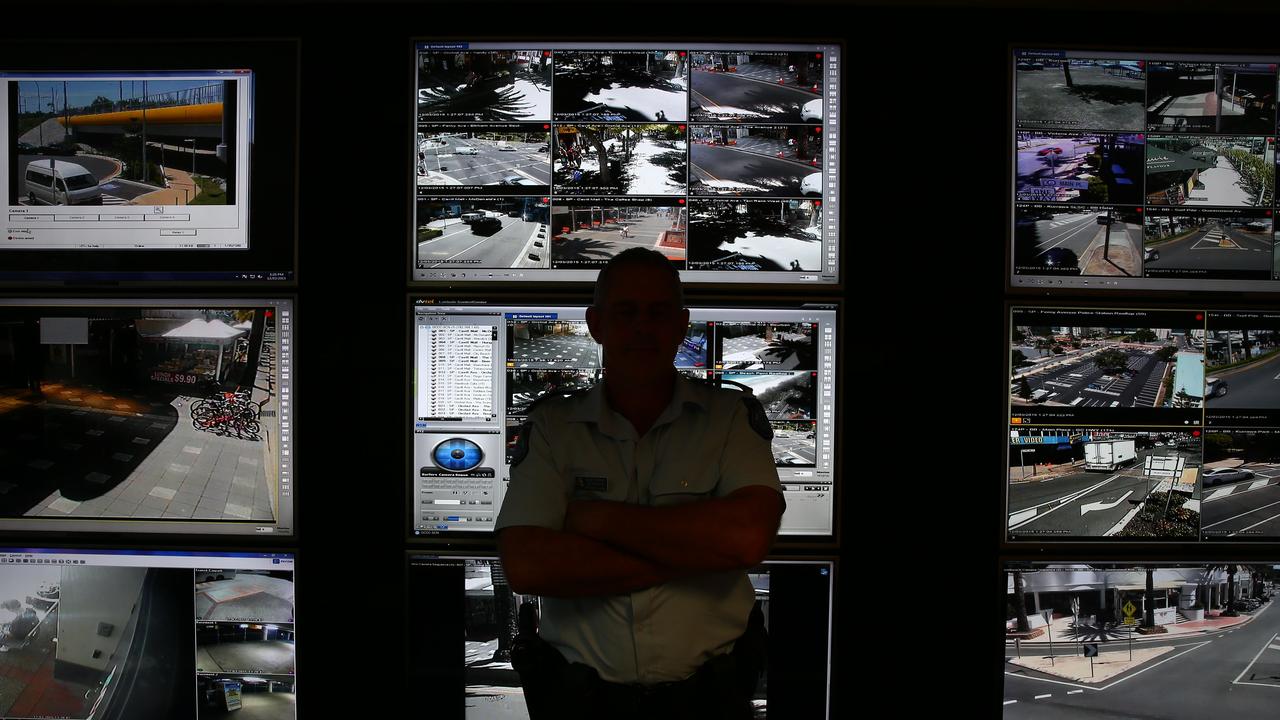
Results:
[1216, 238]
[1260, 482]
[1070, 219]
[113, 200]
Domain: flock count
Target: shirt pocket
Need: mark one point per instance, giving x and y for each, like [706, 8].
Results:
[682, 485]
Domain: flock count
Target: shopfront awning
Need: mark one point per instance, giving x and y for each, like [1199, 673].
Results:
[203, 331]
[1156, 586]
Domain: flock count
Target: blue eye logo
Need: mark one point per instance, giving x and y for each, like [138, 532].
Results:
[457, 454]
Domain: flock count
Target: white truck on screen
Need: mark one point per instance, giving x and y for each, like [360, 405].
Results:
[1107, 455]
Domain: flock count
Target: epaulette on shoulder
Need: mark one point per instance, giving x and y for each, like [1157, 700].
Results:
[757, 418]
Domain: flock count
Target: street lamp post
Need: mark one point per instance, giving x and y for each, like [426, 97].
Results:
[1075, 614]
[41, 124]
[193, 157]
[144, 131]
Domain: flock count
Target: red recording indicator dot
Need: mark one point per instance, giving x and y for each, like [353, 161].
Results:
[1195, 433]
[813, 374]
[681, 127]
[269, 313]
[817, 129]
[681, 53]
[1268, 213]
[1141, 136]
[546, 127]
[681, 201]
[546, 53]
[817, 203]
[818, 55]
[1199, 317]
[1139, 211]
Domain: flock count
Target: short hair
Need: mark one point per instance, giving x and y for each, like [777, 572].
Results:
[635, 256]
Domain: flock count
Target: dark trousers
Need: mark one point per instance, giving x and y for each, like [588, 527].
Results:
[719, 690]
[555, 689]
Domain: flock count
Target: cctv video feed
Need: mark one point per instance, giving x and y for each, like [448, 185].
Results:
[1082, 366]
[621, 160]
[478, 369]
[606, 130]
[1091, 405]
[111, 633]
[137, 161]
[1087, 638]
[476, 676]
[587, 232]
[491, 158]
[1077, 483]
[1144, 171]
[1242, 426]
[150, 416]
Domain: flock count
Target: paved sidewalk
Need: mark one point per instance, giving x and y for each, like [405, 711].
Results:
[105, 456]
[601, 243]
[1043, 472]
[1106, 665]
[1122, 258]
[181, 191]
[1063, 632]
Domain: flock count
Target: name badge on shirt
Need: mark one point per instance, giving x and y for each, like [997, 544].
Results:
[591, 483]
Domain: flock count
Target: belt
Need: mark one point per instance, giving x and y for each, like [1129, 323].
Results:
[664, 699]
[656, 691]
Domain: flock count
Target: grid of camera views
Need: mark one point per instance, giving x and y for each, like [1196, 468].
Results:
[560, 159]
[1186, 639]
[777, 362]
[1144, 168]
[80, 639]
[1144, 424]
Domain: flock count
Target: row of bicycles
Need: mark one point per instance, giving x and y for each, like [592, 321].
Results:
[228, 414]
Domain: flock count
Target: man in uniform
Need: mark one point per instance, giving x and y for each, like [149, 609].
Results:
[634, 510]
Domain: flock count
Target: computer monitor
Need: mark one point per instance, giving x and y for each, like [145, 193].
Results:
[114, 633]
[148, 163]
[538, 161]
[146, 415]
[1135, 423]
[1142, 170]
[462, 621]
[477, 368]
[1084, 639]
